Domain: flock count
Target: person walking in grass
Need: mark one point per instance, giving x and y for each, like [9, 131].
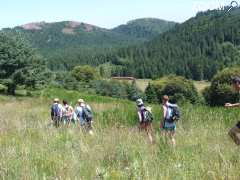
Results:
[84, 115]
[67, 113]
[170, 115]
[145, 118]
[235, 131]
[56, 112]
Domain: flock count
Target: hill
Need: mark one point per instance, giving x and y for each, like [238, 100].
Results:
[196, 49]
[118, 150]
[68, 43]
[145, 28]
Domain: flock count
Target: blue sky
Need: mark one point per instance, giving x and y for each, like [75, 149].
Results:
[103, 13]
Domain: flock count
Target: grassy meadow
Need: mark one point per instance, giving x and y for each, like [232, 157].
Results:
[31, 148]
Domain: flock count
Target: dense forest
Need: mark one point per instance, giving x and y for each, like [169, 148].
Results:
[67, 44]
[196, 49]
[145, 48]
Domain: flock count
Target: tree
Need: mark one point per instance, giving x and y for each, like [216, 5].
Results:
[176, 87]
[220, 91]
[84, 73]
[20, 64]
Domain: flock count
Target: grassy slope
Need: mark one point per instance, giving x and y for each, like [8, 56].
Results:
[201, 85]
[30, 149]
[143, 83]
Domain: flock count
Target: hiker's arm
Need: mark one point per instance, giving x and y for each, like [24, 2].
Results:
[139, 117]
[229, 105]
[164, 115]
[164, 112]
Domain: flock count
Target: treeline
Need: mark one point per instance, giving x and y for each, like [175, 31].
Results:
[68, 44]
[196, 49]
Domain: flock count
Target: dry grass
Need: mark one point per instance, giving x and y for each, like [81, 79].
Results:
[201, 85]
[31, 149]
[142, 83]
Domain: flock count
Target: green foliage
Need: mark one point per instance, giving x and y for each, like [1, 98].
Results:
[220, 91]
[20, 64]
[145, 28]
[176, 87]
[196, 49]
[3, 88]
[117, 89]
[84, 73]
[151, 94]
[68, 44]
[66, 80]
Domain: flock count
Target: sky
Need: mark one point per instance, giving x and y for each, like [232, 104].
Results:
[103, 13]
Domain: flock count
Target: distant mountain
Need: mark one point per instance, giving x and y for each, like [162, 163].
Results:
[145, 28]
[71, 43]
[196, 49]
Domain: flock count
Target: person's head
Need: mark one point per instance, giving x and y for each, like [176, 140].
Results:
[165, 99]
[65, 102]
[80, 102]
[236, 83]
[56, 100]
[139, 102]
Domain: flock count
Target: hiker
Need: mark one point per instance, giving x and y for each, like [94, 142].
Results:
[84, 115]
[170, 115]
[56, 112]
[145, 118]
[235, 131]
[67, 113]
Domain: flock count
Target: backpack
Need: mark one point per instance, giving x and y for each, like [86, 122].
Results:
[87, 113]
[174, 113]
[146, 115]
[55, 111]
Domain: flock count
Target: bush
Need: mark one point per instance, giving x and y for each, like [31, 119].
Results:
[3, 88]
[177, 88]
[84, 73]
[117, 89]
[220, 91]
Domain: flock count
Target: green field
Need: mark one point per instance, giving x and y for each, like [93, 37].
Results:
[30, 148]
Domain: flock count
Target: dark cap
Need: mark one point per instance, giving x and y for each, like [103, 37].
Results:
[236, 80]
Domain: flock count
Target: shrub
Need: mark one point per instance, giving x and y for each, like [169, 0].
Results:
[3, 88]
[117, 89]
[220, 91]
[176, 87]
[84, 73]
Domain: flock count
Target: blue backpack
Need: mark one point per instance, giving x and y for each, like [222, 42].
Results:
[173, 113]
[87, 113]
[56, 111]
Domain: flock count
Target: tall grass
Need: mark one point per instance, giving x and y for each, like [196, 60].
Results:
[32, 149]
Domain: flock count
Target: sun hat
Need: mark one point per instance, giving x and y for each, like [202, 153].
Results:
[80, 101]
[139, 102]
[56, 100]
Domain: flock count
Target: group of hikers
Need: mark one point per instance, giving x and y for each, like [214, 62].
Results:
[83, 115]
[66, 114]
[171, 115]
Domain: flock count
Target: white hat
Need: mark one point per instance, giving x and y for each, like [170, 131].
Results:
[80, 101]
[139, 102]
[56, 100]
